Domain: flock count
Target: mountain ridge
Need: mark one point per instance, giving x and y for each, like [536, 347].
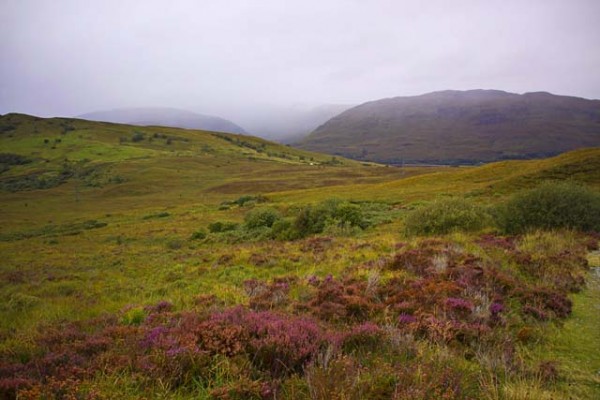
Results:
[454, 126]
[163, 116]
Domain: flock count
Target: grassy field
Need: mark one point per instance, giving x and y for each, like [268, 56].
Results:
[126, 250]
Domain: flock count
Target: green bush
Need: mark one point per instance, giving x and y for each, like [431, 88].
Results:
[445, 216]
[332, 216]
[314, 219]
[219, 226]
[549, 206]
[13, 159]
[283, 229]
[244, 200]
[199, 235]
[349, 214]
[310, 220]
[162, 214]
[262, 217]
[138, 136]
[247, 199]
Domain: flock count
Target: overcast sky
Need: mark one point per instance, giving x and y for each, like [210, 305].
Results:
[67, 57]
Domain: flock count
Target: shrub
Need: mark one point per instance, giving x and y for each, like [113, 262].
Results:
[219, 226]
[138, 136]
[245, 200]
[445, 216]
[366, 337]
[327, 214]
[263, 217]
[277, 344]
[551, 206]
[162, 214]
[13, 159]
[282, 345]
[283, 229]
[347, 300]
[199, 235]
[310, 220]
[348, 213]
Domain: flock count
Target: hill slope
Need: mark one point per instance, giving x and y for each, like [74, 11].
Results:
[164, 117]
[460, 126]
[60, 167]
[492, 181]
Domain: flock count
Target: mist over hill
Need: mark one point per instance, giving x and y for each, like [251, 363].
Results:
[286, 124]
[460, 127]
[163, 116]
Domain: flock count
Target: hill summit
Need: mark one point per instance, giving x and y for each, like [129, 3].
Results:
[453, 126]
[164, 116]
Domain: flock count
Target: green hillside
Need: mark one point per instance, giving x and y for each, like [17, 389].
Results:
[491, 181]
[69, 166]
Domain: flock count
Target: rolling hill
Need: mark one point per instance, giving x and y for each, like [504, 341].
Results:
[162, 116]
[137, 262]
[47, 164]
[489, 182]
[451, 127]
[96, 167]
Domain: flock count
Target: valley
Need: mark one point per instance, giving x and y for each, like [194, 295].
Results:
[155, 262]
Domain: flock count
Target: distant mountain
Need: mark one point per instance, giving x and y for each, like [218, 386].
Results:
[460, 127]
[161, 116]
[288, 124]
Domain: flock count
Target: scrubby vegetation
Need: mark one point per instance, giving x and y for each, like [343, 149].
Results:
[315, 219]
[445, 216]
[207, 274]
[261, 218]
[430, 309]
[552, 205]
[332, 216]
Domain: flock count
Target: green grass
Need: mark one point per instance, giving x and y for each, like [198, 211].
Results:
[58, 266]
[575, 344]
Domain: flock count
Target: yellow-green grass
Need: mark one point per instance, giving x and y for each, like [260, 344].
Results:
[490, 181]
[125, 261]
[54, 267]
[205, 169]
[576, 343]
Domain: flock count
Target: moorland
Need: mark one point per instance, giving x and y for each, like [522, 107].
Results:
[155, 262]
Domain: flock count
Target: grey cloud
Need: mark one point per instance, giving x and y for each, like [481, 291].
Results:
[66, 57]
